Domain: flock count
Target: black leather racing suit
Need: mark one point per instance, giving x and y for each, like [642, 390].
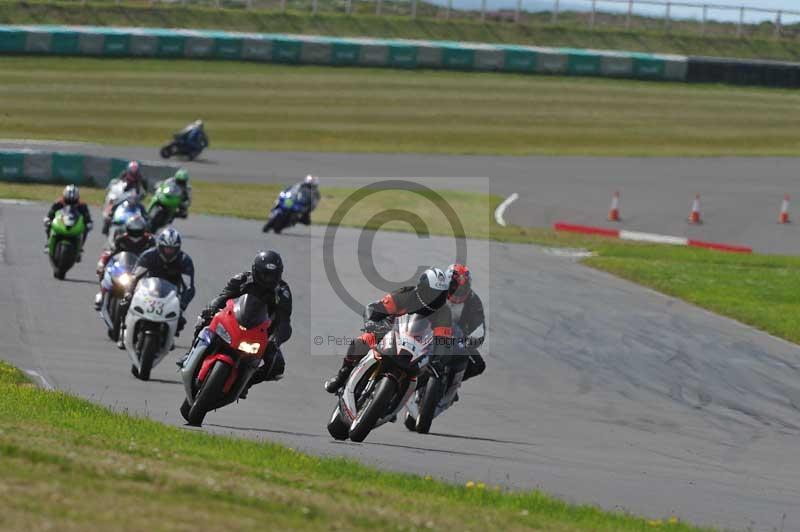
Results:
[397, 303]
[469, 318]
[150, 264]
[280, 311]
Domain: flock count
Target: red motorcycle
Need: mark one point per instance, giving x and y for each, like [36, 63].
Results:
[224, 357]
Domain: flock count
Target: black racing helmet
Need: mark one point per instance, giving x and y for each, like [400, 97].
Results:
[267, 269]
[135, 228]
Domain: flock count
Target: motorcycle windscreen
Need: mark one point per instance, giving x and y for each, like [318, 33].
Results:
[412, 335]
[250, 311]
[155, 287]
[124, 260]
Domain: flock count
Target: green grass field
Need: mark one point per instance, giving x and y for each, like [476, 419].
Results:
[759, 290]
[139, 102]
[68, 464]
[646, 35]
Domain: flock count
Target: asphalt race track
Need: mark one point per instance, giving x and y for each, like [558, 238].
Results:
[741, 197]
[597, 390]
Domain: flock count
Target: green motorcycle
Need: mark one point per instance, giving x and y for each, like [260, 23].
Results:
[164, 204]
[66, 240]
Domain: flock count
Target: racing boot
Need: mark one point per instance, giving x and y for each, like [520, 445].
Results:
[98, 300]
[333, 384]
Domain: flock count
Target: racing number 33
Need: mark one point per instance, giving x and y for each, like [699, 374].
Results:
[154, 307]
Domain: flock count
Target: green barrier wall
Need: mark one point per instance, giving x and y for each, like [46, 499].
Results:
[77, 168]
[280, 48]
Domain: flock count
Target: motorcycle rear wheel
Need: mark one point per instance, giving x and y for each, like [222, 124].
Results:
[210, 392]
[427, 405]
[338, 427]
[372, 411]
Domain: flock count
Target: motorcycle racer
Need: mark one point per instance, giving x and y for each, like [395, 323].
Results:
[70, 196]
[264, 280]
[428, 298]
[135, 239]
[165, 261]
[134, 180]
[311, 185]
[467, 311]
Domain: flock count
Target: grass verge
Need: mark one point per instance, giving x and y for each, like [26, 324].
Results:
[759, 290]
[572, 31]
[72, 465]
[302, 108]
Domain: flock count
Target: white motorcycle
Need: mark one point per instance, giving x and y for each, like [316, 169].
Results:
[384, 381]
[151, 324]
[121, 214]
[116, 194]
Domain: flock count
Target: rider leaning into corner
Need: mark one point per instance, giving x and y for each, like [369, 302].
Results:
[194, 133]
[135, 239]
[264, 280]
[165, 261]
[428, 298]
[468, 317]
[309, 185]
[70, 196]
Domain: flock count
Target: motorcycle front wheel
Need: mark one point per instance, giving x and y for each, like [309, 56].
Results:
[210, 392]
[338, 427]
[427, 405]
[373, 409]
[150, 345]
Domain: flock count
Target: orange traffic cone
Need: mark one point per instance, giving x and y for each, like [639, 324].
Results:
[694, 216]
[784, 217]
[613, 212]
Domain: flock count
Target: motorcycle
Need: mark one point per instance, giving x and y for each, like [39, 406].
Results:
[66, 240]
[290, 206]
[164, 204]
[116, 279]
[224, 357]
[150, 324]
[437, 389]
[116, 193]
[384, 380]
[181, 145]
[122, 213]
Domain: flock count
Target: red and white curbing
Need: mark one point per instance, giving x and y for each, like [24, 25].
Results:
[649, 237]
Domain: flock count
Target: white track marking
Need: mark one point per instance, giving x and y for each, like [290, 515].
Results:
[8, 201]
[498, 213]
[570, 253]
[656, 239]
[37, 375]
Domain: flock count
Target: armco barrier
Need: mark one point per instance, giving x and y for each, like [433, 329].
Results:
[34, 166]
[305, 49]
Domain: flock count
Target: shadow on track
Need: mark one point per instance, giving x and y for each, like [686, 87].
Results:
[164, 381]
[82, 281]
[270, 431]
[450, 452]
[478, 438]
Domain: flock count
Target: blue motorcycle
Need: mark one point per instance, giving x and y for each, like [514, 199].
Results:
[291, 205]
[189, 143]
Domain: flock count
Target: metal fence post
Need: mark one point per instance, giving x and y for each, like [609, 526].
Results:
[666, 17]
[555, 11]
[378, 7]
[348, 7]
[592, 16]
[313, 7]
[778, 24]
[283, 6]
[628, 16]
[449, 9]
[413, 8]
[740, 29]
[705, 18]
[517, 12]
[249, 4]
[483, 10]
